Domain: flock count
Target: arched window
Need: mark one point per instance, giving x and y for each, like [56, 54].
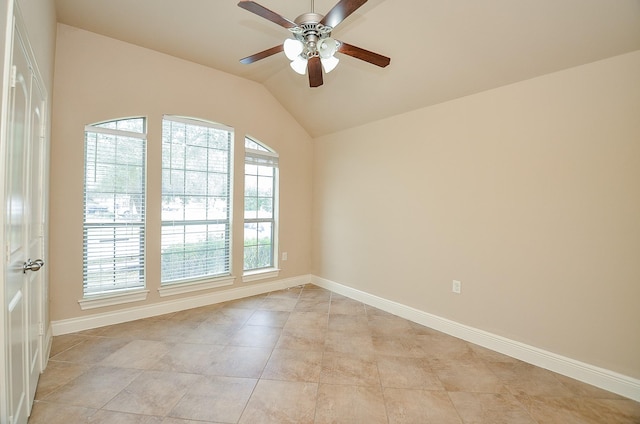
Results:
[114, 206]
[260, 206]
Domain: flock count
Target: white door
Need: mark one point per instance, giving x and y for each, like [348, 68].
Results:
[23, 287]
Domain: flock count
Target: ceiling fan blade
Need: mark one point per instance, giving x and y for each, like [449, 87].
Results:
[340, 11]
[266, 53]
[362, 54]
[262, 11]
[314, 67]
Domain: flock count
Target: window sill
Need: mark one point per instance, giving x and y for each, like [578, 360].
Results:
[188, 287]
[101, 301]
[260, 274]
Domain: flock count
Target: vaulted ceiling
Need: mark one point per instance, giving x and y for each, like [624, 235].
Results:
[439, 49]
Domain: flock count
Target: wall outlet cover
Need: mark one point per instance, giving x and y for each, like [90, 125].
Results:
[456, 286]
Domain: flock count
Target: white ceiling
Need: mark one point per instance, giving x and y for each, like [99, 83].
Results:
[439, 49]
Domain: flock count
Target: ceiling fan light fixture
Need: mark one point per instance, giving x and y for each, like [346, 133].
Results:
[299, 65]
[292, 48]
[329, 64]
[327, 47]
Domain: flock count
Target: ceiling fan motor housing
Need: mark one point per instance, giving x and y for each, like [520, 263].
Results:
[309, 31]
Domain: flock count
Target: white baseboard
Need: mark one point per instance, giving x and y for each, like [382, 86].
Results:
[88, 322]
[605, 379]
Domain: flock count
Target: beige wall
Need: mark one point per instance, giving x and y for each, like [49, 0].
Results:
[98, 78]
[528, 194]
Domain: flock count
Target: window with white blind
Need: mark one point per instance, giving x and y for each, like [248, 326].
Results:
[196, 200]
[260, 206]
[114, 207]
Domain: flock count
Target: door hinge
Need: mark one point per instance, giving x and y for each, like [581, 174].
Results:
[12, 78]
[41, 329]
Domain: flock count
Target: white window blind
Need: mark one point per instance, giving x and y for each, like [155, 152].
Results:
[260, 206]
[114, 207]
[196, 199]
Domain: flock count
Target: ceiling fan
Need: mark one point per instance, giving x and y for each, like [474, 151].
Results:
[312, 47]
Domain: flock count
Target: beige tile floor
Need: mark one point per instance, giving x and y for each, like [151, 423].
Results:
[302, 355]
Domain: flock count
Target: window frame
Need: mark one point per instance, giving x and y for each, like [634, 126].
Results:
[263, 155]
[170, 286]
[108, 213]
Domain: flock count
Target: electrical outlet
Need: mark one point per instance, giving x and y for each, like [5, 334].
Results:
[284, 256]
[456, 286]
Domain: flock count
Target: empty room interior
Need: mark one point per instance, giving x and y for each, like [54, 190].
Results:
[407, 212]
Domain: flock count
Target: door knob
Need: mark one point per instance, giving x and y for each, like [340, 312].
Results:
[32, 265]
